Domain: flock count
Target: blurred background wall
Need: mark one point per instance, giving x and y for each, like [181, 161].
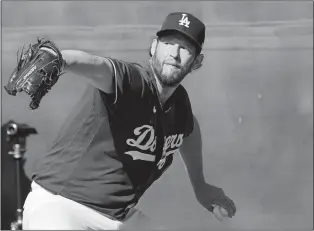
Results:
[253, 98]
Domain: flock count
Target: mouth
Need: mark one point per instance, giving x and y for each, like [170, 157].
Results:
[174, 65]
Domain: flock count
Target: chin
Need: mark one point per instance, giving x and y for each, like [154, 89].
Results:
[171, 74]
[170, 81]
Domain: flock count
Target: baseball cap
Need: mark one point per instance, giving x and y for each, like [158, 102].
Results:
[186, 24]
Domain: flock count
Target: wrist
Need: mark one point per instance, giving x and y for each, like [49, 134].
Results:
[64, 65]
[199, 187]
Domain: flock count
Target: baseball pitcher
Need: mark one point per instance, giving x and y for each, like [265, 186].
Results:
[123, 134]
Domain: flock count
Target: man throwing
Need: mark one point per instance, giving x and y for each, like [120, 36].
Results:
[122, 136]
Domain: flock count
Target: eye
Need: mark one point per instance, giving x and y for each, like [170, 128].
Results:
[167, 42]
[185, 49]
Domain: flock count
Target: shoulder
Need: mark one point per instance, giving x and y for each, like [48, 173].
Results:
[183, 104]
[130, 79]
[182, 96]
[129, 70]
[182, 91]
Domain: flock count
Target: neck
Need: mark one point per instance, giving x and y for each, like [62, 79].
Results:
[164, 91]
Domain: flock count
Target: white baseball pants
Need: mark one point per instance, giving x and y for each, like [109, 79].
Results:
[46, 211]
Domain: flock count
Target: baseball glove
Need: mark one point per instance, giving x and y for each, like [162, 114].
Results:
[38, 69]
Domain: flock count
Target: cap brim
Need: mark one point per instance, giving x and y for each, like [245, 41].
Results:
[163, 32]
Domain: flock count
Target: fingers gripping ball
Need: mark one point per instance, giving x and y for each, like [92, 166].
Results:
[220, 213]
[38, 69]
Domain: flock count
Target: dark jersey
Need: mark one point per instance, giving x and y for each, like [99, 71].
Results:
[112, 147]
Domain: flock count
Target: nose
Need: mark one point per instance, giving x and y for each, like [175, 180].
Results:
[174, 51]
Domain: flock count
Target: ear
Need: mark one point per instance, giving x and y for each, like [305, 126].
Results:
[198, 62]
[153, 47]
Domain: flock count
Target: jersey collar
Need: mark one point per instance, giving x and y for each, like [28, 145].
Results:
[170, 102]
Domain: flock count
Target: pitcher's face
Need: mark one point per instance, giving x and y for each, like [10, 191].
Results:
[173, 58]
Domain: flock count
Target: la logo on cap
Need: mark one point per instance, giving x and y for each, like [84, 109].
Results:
[184, 21]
